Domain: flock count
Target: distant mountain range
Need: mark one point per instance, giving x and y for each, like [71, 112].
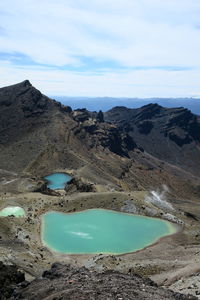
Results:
[106, 103]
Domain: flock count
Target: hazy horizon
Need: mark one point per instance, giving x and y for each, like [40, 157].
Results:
[106, 103]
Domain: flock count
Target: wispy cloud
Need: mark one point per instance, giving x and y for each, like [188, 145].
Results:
[84, 64]
[150, 43]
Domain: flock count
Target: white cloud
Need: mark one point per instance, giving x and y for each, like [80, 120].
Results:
[130, 32]
[139, 83]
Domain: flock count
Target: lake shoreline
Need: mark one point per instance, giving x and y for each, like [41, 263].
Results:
[173, 229]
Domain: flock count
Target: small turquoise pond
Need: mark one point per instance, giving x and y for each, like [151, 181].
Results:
[12, 211]
[101, 231]
[57, 181]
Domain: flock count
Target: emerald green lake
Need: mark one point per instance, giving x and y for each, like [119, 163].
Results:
[12, 211]
[101, 231]
[57, 181]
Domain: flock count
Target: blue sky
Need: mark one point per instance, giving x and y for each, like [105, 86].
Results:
[118, 48]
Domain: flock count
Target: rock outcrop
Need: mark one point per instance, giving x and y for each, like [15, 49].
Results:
[64, 282]
[9, 278]
[77, 185]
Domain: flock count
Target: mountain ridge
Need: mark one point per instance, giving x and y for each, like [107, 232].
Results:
[39, 135]
[170, 134]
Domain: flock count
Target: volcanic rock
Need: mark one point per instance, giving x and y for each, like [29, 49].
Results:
[64, 282]
[9, 278]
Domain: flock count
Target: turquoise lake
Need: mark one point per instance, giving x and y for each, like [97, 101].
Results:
[57, 181]
[12, 211]
[101, 231]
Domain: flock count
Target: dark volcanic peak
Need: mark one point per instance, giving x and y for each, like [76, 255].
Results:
[24, 83]
[18, 85]
[24, 98]
[18, 103]
[22, 108]
[23, 94]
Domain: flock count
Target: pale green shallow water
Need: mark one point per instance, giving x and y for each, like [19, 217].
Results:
[12, 211]
[57, 181]
[101, 231]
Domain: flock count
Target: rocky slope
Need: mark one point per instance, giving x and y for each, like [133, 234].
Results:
[64, 282]
[32, 126]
